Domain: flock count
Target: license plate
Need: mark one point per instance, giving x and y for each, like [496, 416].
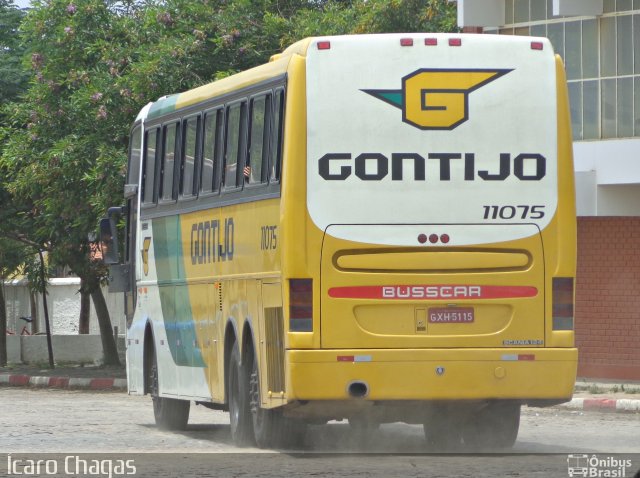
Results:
[451, 315]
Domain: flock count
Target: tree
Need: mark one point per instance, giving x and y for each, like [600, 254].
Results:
[61, 156]
[13, 254]
[95, 63]
[13, 76]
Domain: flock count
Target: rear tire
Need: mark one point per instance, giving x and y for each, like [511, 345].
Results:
[271, 429]
[495, 426]
[169, 413]
[238, 390]
[442, 435]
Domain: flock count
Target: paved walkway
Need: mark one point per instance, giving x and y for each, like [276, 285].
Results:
[588, 395]
[87, 377]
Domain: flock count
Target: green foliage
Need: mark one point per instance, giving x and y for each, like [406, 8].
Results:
[95, 63]
[13, 77]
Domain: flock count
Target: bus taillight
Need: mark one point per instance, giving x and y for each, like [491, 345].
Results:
[562, 303]
[301, 305]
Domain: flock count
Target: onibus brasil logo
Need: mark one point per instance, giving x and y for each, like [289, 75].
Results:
[598, 467]
[437, 99]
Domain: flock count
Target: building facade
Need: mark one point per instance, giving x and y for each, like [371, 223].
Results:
[599, 41]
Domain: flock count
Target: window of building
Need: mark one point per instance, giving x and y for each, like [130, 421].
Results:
[602, 62]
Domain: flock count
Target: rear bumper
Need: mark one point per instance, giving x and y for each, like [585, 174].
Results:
[526, 374]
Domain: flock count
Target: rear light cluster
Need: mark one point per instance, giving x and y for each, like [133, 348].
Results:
[434, 238]
[562, 303]
[300, 305]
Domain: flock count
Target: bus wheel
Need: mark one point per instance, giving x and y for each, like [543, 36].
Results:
[495, 426]
[239, 413]
[442, 433]
[169, 413]
[271, 428]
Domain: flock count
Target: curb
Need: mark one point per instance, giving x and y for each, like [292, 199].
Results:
[115, 384]
[604, 404]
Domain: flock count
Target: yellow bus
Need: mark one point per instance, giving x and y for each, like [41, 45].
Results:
[375, 228]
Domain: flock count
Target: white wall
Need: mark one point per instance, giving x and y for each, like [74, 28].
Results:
[77, 349]
[607, 177]
[63, 301]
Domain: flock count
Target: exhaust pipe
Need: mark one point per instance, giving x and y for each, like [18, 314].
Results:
[358, 389]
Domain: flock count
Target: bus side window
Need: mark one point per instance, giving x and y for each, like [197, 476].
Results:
[210, 168]
[255, 169]
[277, 128]
[168, 161]
[191, 135]
[150, 156]
[135, 155]
[236, 126]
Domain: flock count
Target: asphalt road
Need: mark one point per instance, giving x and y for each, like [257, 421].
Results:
[81, 424]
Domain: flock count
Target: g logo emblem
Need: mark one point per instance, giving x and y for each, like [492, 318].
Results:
[437, 99]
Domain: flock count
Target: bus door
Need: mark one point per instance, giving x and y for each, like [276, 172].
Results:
[131, 196]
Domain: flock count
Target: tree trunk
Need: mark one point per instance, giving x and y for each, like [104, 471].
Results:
[33, 303]
[85, 311]
[3, 326]
[106, 333]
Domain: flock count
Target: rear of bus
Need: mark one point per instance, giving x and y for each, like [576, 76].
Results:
[434, 262]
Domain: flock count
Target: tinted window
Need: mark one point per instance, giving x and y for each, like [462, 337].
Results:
[191, 136]
[135, 156]
[235, 120]
[211, 152]
[259, 142]
[150, 166]
[276, 135]
[168, 162]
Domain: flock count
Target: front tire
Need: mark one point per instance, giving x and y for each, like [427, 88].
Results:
[169, 413]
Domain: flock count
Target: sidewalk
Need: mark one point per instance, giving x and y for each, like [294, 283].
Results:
[605, 395]
[588, 394]
[86, 377]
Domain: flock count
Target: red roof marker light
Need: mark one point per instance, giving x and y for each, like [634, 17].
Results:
[406, 41]
[537, 45]
[431, 41]
[455, 41]
[324, 45]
